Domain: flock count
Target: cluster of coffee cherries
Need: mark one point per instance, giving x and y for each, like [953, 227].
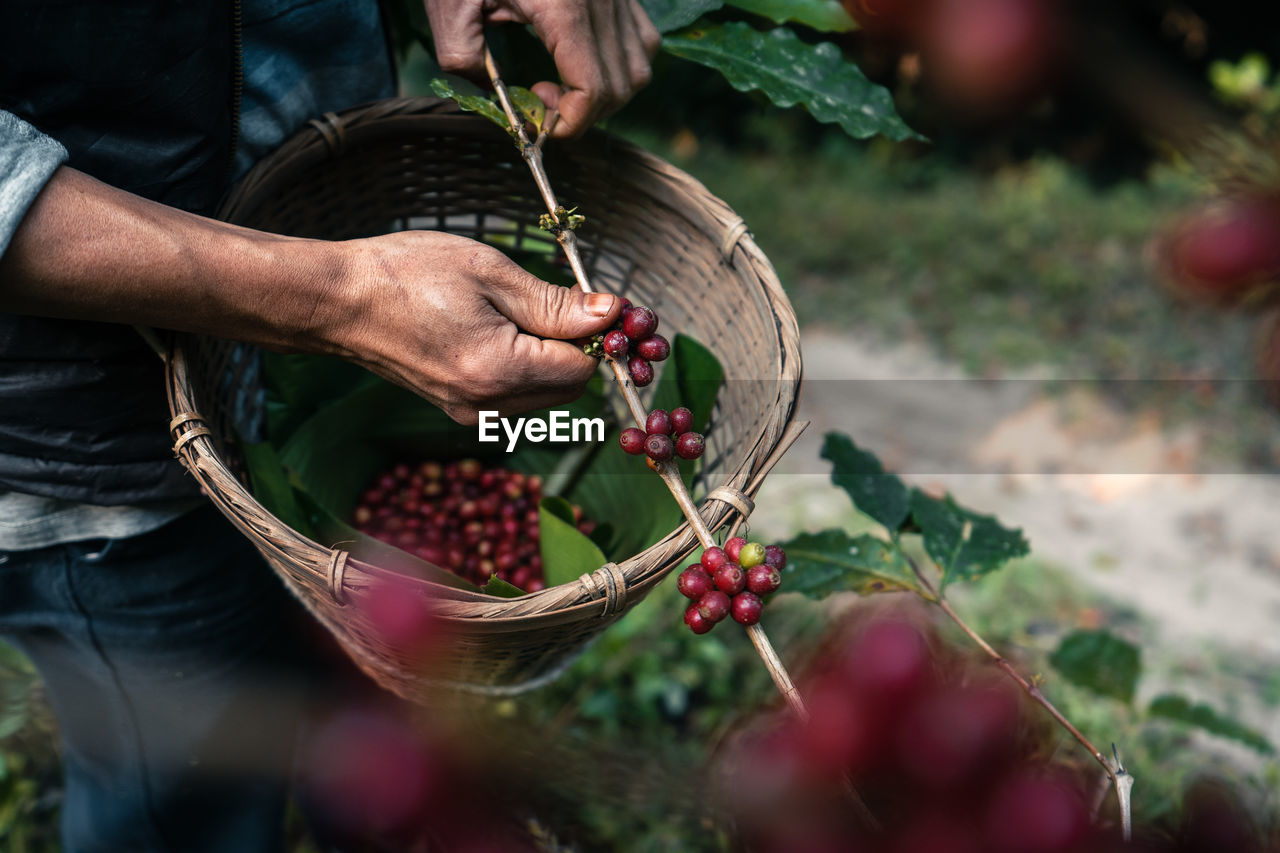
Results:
[665, 434]
[477, 522]
[636, 340]
[731, 581]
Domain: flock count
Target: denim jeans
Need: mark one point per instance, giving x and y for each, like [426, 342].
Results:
[173, 663]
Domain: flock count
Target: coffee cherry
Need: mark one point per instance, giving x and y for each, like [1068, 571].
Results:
[694, 583]
[658, 423]
[690, 445]
[730, 579]
[775, 556]
[697, 623]
[714, 606]
[640, 323]
[627, 305]
[659, 447]
[733, 548]
[656, 348]
[751, 554]
[641, 371]
[616, 343]
[681, 420]
[713, 558]
[632, 440]
[746, 607]
[763, 579]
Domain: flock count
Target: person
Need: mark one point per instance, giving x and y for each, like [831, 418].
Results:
[157, 629]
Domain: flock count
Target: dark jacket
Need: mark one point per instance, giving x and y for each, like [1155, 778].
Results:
[142, 93]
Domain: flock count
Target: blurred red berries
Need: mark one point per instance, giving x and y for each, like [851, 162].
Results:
[1223, 250]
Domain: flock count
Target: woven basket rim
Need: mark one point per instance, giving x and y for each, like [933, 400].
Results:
[330, 137]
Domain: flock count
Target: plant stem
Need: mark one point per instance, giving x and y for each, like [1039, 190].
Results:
[1115, 772]
[532, 153]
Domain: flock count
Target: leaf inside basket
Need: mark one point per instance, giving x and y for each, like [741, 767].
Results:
[566, 553]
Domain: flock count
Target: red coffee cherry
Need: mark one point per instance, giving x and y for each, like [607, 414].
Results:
[681, 420]
[658, 423]
[632, 440]
[655, 348]
[746, 608]
[694, 583]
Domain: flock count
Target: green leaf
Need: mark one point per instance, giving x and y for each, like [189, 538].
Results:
[790, 71]
[821, 564]
[964, 544]
[828, 16]
[668, 15]
[1099, 661]
[497, 586]
[300, 385]
[567, 553]
[874, 493]
[272, 487]
[475, 103]
[336, 452]
[1180, 709]
[529, 105]
[698, 377]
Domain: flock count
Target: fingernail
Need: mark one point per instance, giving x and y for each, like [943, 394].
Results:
[600, 304]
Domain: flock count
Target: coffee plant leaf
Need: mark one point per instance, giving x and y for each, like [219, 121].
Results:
[529, 105]
[471, 102]
[875, 493]
[964, 544]
[1099, 661]
[567, 553]
[337, 451]
[502, 589]
[827, 16]
[298, 385]
[668, 15]
[698, 377]
[824, 563]
[272, 486]
[790, 71]
[1182, 710]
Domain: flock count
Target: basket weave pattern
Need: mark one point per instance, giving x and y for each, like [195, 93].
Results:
[653, 234]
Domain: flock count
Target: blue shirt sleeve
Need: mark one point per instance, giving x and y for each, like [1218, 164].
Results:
[28, 159]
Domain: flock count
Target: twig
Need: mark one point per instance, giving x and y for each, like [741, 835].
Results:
[532, 154]
[1116, 773]
[1124, 789]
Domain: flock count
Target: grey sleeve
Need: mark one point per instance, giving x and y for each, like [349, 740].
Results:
[28, 159]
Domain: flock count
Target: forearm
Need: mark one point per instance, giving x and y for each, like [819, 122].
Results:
[88, 251]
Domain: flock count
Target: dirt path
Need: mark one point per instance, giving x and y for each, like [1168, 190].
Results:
[1123, 507]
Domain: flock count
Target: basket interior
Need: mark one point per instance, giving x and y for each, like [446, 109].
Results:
[652, 234]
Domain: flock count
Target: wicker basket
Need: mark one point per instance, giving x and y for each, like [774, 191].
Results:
[653, 234]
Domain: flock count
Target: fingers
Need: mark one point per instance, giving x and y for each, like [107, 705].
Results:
[517, 373]
[457, 29]
[602, 52]
[547, 310]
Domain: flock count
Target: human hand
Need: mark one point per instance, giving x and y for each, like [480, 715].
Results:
[601, 48]
[461, 324]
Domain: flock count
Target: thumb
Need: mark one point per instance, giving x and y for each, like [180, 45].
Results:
[551, 311]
